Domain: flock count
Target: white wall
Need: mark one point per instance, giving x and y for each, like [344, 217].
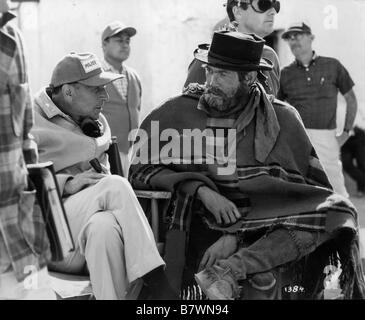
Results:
[168, 32]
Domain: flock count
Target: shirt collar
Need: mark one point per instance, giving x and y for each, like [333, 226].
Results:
[108, 67]
[314, 58]
[49, 107]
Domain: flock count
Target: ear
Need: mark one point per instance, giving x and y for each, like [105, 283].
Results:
[68, 92]
[237, 12]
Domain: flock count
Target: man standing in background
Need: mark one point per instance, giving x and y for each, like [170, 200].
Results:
[311, 84]
[249, 16]
[124, 104]
[23, 241]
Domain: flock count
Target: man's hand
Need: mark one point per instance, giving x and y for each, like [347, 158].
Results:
[82, 180]
[222, 209]
[222, 249]
[341, 139]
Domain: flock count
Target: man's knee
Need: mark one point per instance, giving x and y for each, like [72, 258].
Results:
[116, 186]
[115, 182]
[306, 242]
[103, 229]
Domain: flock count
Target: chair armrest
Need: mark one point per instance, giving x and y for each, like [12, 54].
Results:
[151, 194]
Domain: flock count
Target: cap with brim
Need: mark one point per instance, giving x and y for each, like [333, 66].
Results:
[300, 27]
[203, 55]
[84, 68]
[116, 27]
[129, 31]
[101, 79]
[234, 51]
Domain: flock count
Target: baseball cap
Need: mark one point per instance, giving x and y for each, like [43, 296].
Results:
[300, 27]
[81, 67]
[116, 27]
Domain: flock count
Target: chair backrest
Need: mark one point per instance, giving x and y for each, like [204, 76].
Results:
[50, 201]
[115, 161]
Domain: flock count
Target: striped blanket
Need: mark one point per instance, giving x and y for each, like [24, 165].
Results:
[283, 185]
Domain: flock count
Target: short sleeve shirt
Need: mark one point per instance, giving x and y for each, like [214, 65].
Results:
[313, 90]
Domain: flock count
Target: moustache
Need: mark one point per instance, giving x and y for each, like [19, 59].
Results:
[215, 91]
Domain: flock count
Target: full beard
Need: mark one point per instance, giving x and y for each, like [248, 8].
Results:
[220, 101]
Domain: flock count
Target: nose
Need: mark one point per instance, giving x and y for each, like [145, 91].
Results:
[103, 94]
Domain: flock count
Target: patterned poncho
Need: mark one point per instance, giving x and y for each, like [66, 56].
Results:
[269, 169]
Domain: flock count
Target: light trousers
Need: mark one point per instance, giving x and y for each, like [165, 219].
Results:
[36, 286]
[328, 151]
[112, 235]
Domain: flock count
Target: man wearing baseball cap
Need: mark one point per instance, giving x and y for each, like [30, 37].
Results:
[311, 84]
[253, 17]
[252, 196]
[112, 236]
[124, 104]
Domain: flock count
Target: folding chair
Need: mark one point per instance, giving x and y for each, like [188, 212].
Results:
[154, 196]
[66, 286]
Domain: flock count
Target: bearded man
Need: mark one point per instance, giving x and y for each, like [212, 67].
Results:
[253, 204]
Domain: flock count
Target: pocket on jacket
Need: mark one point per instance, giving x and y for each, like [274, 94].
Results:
[31, 223]
[18, 100]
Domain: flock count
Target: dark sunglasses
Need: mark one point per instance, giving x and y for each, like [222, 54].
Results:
[264, 5]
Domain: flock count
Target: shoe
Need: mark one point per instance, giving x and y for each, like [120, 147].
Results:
[218, 283]
[262, 281]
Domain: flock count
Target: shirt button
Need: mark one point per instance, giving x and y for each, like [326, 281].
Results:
[306, 69]
[309, 79]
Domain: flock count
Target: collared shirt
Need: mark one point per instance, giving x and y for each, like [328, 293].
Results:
[313, 90]
[22, 234]
[122, 83]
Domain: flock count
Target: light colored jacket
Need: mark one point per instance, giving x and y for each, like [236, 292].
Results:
[62, 141]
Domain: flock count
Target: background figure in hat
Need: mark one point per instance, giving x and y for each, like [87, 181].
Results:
[311, 84]
[251, 16]
[23, 241]
[253, 199]
[124, 104]
[112, 236]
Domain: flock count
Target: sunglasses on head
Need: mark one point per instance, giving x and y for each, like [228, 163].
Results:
[262, 5]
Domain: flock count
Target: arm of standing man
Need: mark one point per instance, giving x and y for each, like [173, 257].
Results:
[351, 110]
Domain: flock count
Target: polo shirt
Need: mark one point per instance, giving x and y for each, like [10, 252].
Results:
[313, 90]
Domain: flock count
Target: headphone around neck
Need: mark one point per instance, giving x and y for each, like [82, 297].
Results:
[92, 128]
